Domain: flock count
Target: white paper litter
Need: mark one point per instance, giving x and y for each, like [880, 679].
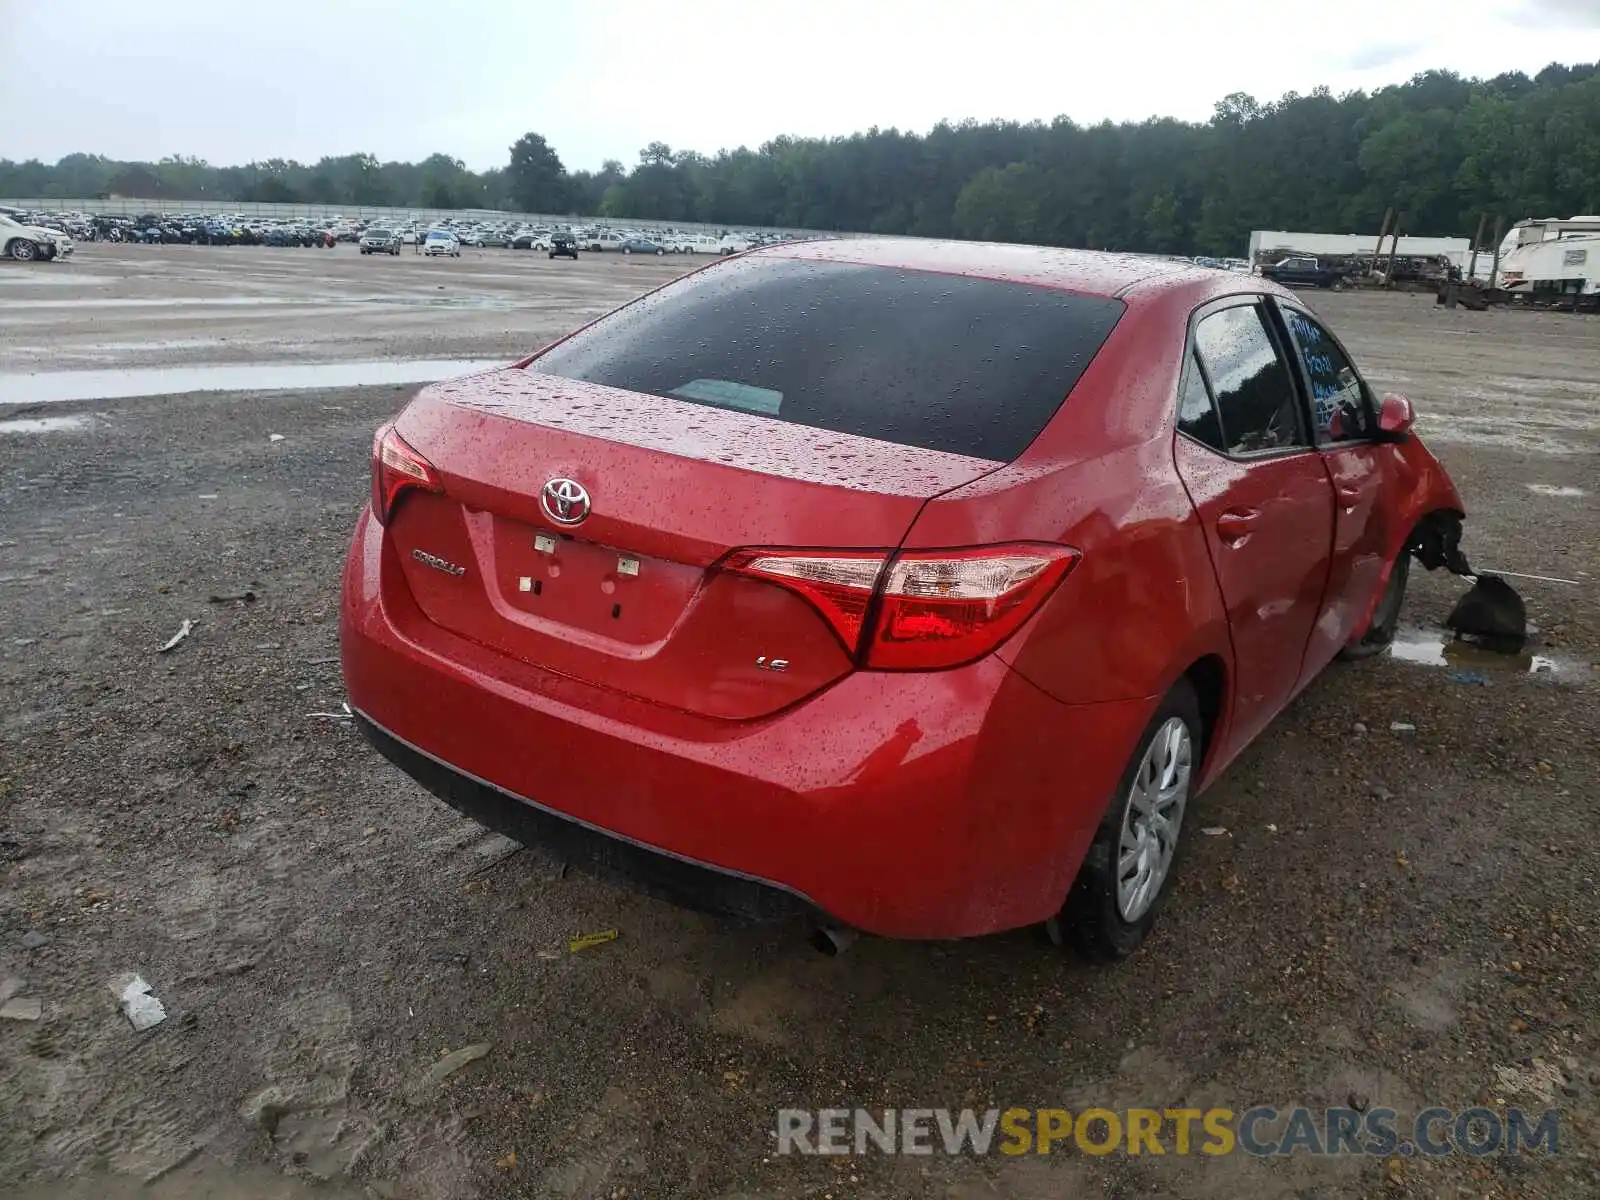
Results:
[183, 631]
[141, 1008]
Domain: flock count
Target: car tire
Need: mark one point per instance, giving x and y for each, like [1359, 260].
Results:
[1385, 617]
[1107, 913]
[23, 250]
[659, 251]
[626, 250]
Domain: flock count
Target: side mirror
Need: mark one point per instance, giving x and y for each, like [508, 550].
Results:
[1395, 418]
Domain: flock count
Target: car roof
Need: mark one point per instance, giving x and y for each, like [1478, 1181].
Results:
[1088, 272]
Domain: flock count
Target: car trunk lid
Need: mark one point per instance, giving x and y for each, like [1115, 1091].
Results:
[630, 598]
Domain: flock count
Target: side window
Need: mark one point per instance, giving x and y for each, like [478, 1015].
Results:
[1197, 416]
[1338, 401]
[1251, 384]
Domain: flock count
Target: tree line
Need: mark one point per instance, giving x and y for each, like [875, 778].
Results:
[1441, 148]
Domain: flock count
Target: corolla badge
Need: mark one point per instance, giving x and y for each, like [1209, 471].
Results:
[437, 563]
[565, 501]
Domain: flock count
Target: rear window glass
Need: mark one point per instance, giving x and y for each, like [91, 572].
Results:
[942, 362]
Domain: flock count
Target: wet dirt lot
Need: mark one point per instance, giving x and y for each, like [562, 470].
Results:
[1388, 918]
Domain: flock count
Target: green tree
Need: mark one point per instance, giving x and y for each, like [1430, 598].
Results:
[535, 178]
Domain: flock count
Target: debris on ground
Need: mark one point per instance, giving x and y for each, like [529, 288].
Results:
[142, 1009]
[507, 1162]
[1215, 831]
[183, 631]
[1539, 1079]
[449, 1065]
[1402, 727]
[586, 940]
[493, 850]
[10, 986]
[1492, 612]
[20, 1009]
[274, 437]
[1475, 678]
[33, 940]
[245, 597]
[343, 715]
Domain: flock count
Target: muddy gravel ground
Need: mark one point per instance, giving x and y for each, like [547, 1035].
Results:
[1390, 918]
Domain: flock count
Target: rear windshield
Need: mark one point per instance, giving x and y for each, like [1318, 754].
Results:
[943, 362]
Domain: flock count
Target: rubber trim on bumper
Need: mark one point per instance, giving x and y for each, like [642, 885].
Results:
[658, 872]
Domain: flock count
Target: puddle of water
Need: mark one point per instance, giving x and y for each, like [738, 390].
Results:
[51, 387]
[1550, 489]
[1441, 648]
[43, 424]
[171, 302]
[52, 279]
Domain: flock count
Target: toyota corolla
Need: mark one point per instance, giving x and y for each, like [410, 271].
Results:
[918, 587]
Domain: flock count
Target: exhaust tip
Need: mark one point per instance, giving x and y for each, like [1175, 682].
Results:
[832, 940]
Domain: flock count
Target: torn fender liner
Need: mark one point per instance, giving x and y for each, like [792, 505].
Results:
[1436, 542]
[1491, 610]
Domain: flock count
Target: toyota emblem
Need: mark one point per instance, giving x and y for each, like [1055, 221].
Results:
[565, 501]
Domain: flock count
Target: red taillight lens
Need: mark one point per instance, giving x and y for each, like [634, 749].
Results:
[949, 607]
[934, 609]
[396, 467]
[839, 584]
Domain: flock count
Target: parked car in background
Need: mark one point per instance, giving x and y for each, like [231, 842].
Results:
[936, 634]
[1302, 271]
[440, 242]
[528, 240]
[604, 239]
[639, 245]
[380, 241]
[563, 245]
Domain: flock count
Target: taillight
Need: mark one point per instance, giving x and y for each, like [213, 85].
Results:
[396, 467]
[839, 585]
[952, 606]
[928, 609]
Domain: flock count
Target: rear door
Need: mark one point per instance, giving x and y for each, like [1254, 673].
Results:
[1244, 452]
[1344, 420]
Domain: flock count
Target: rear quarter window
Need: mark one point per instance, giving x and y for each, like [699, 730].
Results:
[941, 362]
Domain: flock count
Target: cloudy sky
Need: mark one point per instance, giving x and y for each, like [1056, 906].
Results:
[403, 79]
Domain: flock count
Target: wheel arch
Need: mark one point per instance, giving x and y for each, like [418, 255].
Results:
[1208, 677]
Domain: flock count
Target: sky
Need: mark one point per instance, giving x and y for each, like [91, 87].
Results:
[602, 78]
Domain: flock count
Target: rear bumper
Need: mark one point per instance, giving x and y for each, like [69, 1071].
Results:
[681, 880]
[939, 804]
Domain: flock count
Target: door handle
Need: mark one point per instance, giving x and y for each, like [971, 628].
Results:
[1235, 525]
[1349, 495]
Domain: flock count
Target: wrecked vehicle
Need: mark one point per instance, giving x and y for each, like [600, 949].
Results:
[32, 243]
[932, 633]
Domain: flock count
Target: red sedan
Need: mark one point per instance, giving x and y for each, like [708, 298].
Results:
[915, 586]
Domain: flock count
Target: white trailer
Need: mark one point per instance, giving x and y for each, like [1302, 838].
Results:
[1567, 265]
